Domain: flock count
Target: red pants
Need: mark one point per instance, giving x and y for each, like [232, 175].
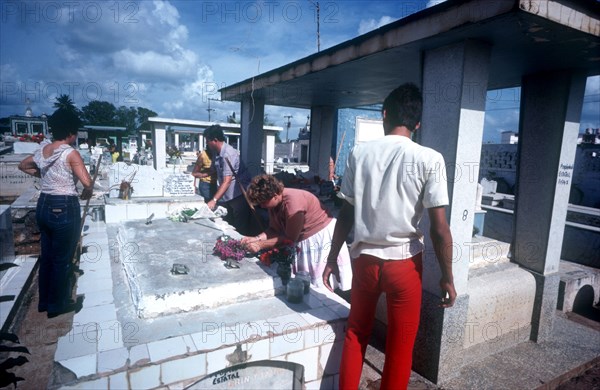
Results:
[400, 280]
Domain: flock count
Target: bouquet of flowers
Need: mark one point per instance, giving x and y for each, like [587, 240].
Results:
[284, 253]
[228, 248]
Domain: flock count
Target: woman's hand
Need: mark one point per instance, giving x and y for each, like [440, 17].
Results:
[87, 193]
[253, 247]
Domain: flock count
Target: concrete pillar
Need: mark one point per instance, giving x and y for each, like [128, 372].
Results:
[201, 145]
[251, 133]
[176, 140]
[159, 145]
[269, 154]
[454, 89]
[323, 123]
[551, 106]
[7, 242]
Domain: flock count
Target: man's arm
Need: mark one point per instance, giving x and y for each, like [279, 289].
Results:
[220, 191]
[442, 244]
[343, 226]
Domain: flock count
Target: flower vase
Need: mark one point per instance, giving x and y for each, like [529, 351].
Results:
[284, 271]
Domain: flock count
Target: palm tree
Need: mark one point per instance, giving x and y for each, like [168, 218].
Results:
[64, 102]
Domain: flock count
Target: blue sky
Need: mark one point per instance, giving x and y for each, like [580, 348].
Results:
[173, 56]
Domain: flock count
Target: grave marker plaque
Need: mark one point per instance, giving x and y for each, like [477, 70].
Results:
[263, 374]
[179, 184]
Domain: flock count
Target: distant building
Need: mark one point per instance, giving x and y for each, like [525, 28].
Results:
[509, 137]
[499, 163]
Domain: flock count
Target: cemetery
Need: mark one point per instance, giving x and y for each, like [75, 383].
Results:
[161, 310]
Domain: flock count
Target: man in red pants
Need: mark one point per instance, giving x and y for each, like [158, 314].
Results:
[387, 185]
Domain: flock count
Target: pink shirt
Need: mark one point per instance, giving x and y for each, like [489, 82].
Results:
[316, 217]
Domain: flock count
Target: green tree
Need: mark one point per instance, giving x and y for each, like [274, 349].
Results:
[99, 113]
[126, 117]
[142, 117]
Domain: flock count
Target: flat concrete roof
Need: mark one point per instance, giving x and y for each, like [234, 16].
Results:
[191, 123]
[525, 36]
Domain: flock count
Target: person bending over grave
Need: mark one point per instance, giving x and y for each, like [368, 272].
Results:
[299, 216]
[384, 202]
[58, 213]
[231, 176]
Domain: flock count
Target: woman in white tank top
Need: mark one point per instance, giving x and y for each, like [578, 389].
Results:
[58, 212]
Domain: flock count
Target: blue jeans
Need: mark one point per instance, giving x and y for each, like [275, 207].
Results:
[204, 189]
[59, 220]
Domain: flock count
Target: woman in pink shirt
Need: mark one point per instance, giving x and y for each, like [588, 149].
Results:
[299, 216]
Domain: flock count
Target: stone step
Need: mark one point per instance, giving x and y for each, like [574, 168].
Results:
[577, 282]
[487, 251]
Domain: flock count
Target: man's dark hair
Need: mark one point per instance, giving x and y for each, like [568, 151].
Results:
[63, 123]
[214, 132]
[403, 107]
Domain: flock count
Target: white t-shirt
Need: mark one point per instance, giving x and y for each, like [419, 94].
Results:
[390, 181]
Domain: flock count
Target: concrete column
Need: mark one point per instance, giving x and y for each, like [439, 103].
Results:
[454, 89]
[323, 123]
[269, 155]
[201, 142]
[159, 145]
[176, 140]
[251, 133]
[551, 106]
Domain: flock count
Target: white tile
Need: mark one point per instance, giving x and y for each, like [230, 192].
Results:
[258, 350]
[109, 340]
[288, 323]
[138, 354]
[81, 366]
[189, 342]
[164, 349]
[112, 360]
[309, 358]
[98, 298]
[137, 211]
[91, 285]
[101, 313]
[217, 360]
[319, 334]
[320, 315]
[182, 369]
[74, 345]
[287, 343]
[118, 381]
[145, 378]
[331, 357]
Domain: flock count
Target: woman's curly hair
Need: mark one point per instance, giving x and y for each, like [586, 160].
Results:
[263, 187]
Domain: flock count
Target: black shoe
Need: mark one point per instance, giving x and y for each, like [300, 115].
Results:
[74, 307]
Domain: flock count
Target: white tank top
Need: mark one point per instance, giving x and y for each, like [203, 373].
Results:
[57, 176]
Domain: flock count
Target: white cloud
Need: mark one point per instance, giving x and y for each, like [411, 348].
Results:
[431, 3]
[371, 24]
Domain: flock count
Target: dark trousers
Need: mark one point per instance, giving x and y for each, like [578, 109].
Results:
[59, 220]
[205, 190]
[239, 215]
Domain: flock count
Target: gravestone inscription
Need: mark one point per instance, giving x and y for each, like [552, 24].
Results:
[179, 184]
[263, 374]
